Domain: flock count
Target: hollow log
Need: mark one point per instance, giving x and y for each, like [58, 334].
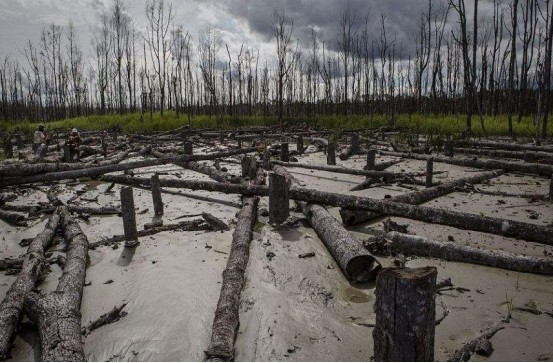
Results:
[95, 171]
[353, 217]
[425, 247]
[357, 264]
[504, 227]
[57, 314]
[511, 166]
[405, 310]
[13, 303]
[14, 219]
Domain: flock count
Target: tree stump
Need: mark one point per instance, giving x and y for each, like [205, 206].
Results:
[371, 159]
[448, 148]
[331, 154]
[249, 167]
[405, 315]
[429, 172]
[156, 195]
[355, 147]
[551, 189]
[129, 217]
[267, 160]
[284, 153]
[279, 204]
[188, 148]
[299, 145]
[66, 154]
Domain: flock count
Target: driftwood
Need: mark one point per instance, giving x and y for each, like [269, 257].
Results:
[504, 227]
[355, 261]
[15, 219]
[353, 217]
[12, 305]
[464, 354]
[215, 223]
[110, 317]
[421, 246]
[57, 314]
[95, 171]
[193, 225]
[405, 310]
[511, 166]
[226, 321]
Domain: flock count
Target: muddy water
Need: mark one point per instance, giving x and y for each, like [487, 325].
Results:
[292, 308]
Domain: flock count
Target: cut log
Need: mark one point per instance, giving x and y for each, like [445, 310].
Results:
[193, 225]
[357, 264]
[405, 310]
[14, 219]
[511, 166]
[95, 171]
[57, 314]
[504, 227]
[425, 247]
[353, 217]
[226, 321]
[12, 305]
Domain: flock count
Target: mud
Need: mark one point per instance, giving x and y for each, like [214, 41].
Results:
[292, 309]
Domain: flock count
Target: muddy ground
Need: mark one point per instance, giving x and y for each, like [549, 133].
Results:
[292, 309]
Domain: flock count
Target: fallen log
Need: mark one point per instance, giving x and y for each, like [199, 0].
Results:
[14, 219]
[193, 225]
[377, 173]
[425, 247]
[505, 145]
[352, 217]
[57, 314]
[226, 321]
[511, 166]
[528, 156]
[215, 223]
[95, 171]
[499, 226]
[357, 264]
[12, 305]
[43, 209]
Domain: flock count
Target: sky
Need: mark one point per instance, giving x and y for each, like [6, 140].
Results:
[235, 21]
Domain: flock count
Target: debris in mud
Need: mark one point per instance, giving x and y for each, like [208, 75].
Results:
[270, 255]
[390, 225]
[110, 317]
[108, 282]
[483, 347]
[307, 255]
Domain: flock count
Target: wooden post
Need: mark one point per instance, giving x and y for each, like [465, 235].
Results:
[551, 189]
[114, 136]
[284, 154]
[239, 143]
[267, 160]
[405, 310]
[371, 158]
[331, 154]
[279, 204]
[355, 148]
[429, 172]
[129, 217]
[66, 154]
[104, 145]
[188, 148]
[156, 195]
[448, 148]
[300, 145]
[8, 148]
[221, 137]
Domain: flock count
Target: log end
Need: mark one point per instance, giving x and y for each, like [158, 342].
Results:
[362, 268]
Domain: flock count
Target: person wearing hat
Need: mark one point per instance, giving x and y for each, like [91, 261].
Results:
[39, 138]
[73, 141]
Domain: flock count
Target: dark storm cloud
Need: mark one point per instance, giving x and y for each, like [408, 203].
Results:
[402, 17]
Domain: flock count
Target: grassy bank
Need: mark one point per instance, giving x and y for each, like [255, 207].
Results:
[134, 123]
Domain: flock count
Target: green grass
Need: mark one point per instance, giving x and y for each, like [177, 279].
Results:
[416, 123]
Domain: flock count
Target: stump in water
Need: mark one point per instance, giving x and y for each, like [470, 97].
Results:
[355, 147]
[188, 148]
[129, 217]
[156, 195]
[331, 154]
[299, 145]
[405, 314]
[429, 172]
[279, 204]
[284, 153]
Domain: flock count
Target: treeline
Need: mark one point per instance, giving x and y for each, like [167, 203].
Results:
[454, 65]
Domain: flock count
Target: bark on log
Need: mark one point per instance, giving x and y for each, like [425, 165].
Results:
[12, 305]
[425, 247]
[357, 264]
[512, 166]
[215, 223]
[405, 315]
[95, 171]
[57, 314]
[352, 217]
[14, 219]
[279, 203]
[193, 225]
[504, 227]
